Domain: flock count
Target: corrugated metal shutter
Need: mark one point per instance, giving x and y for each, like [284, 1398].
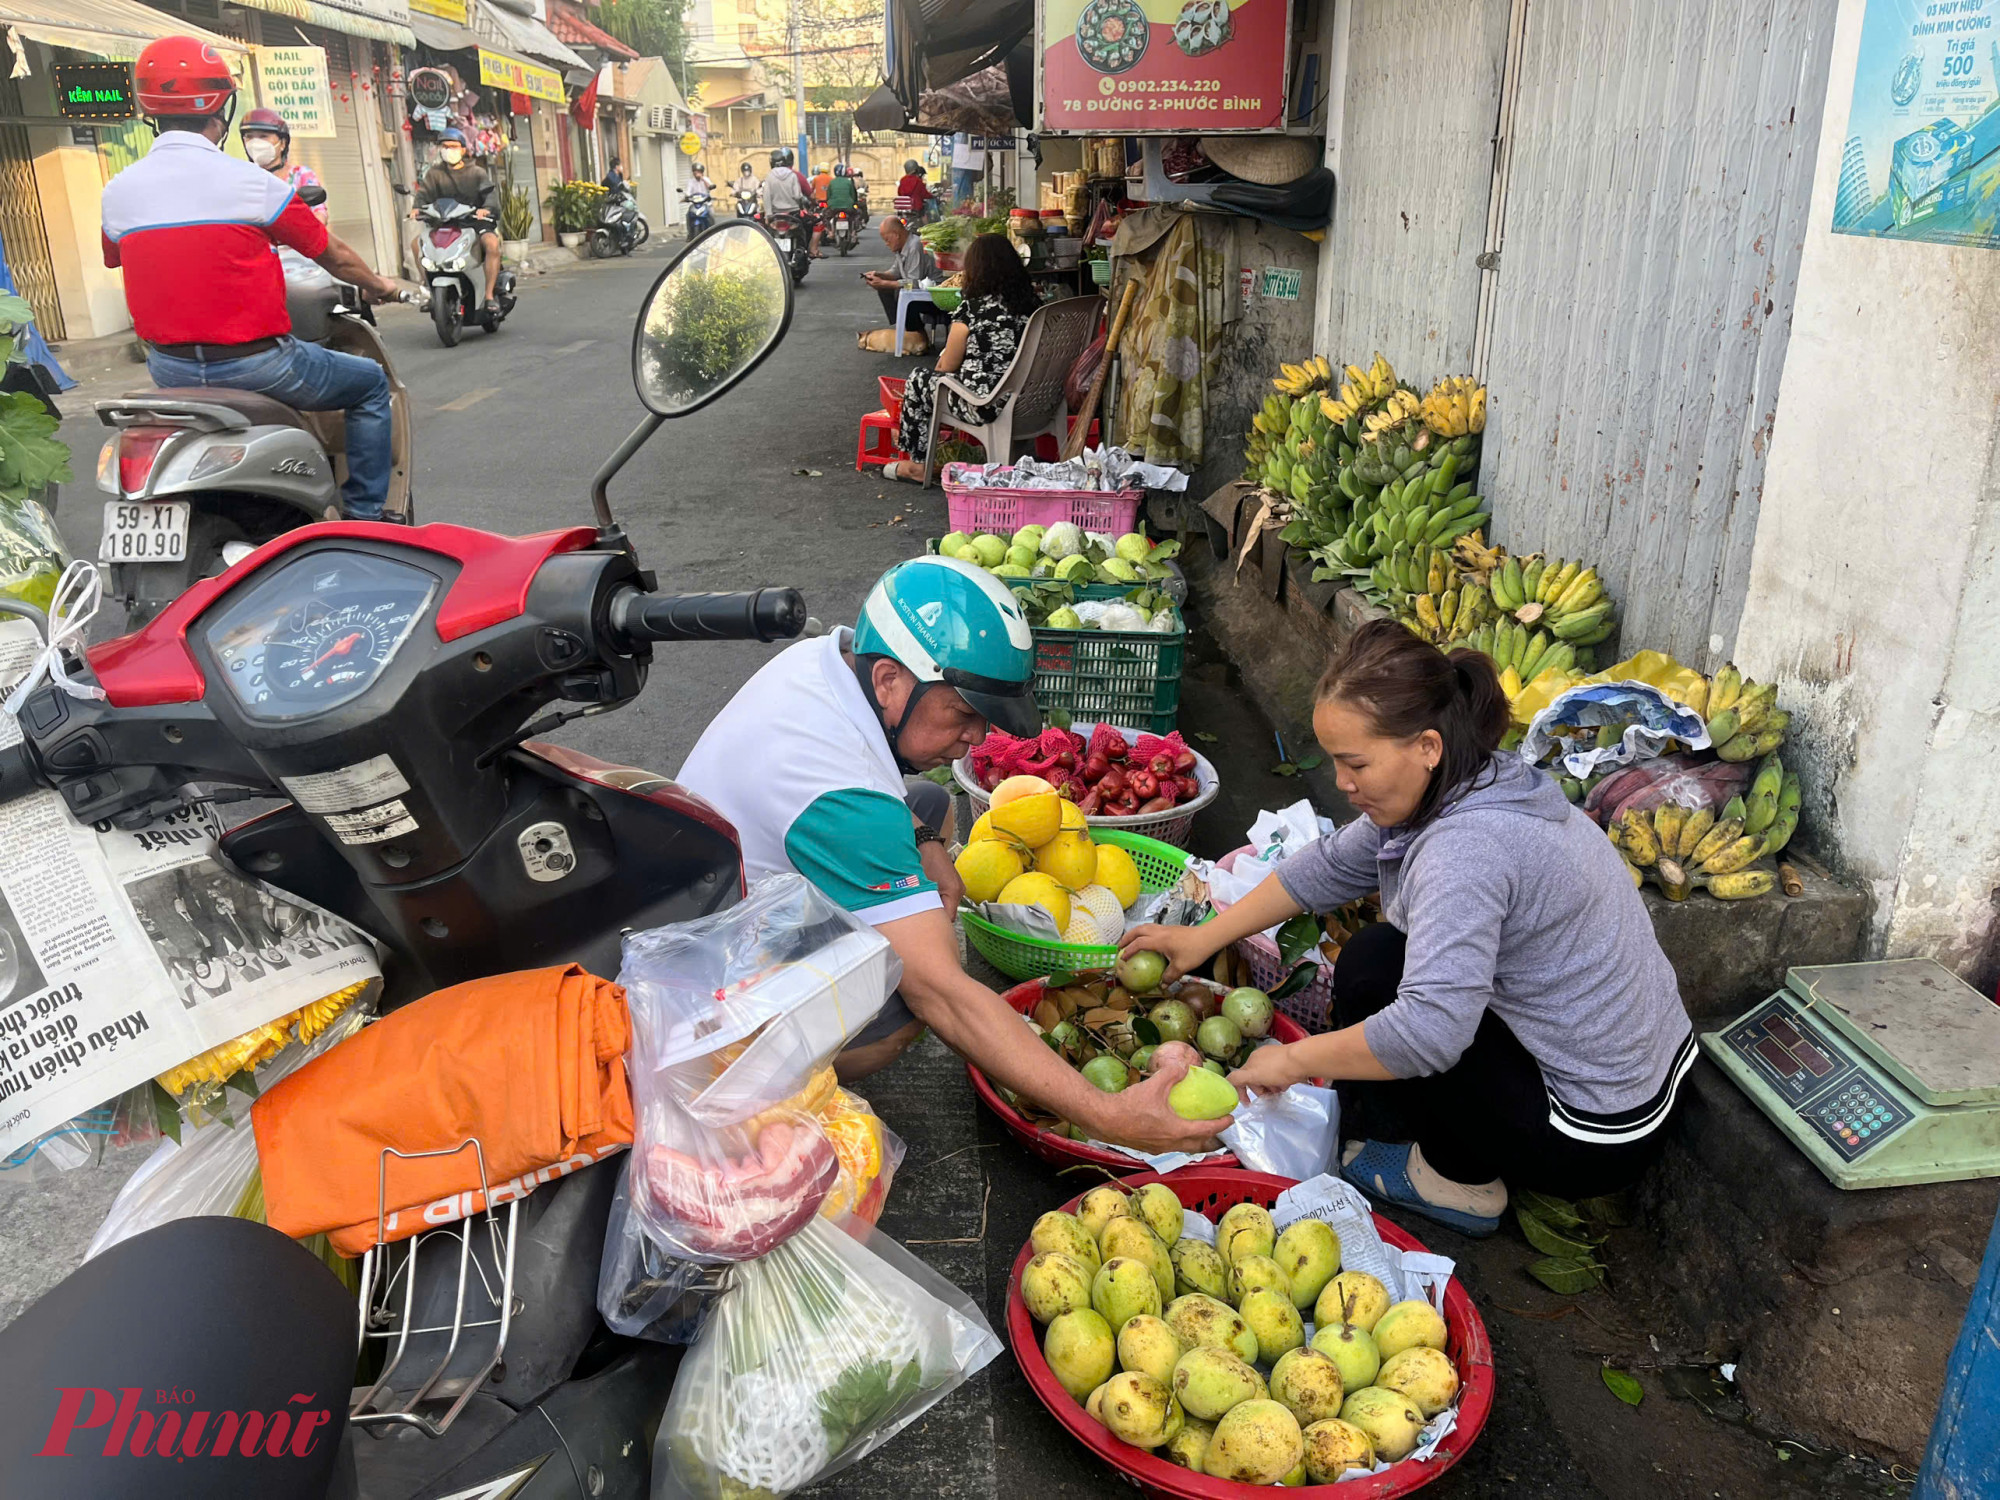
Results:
[1663, 161]
[1416, 171]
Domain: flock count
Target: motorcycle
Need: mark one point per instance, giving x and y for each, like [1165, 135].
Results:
[845, 231]
[456, 649]
[793, 233]
[699, 213]
[453, 258]
[203, 475]
[746, 202]
[621, 228]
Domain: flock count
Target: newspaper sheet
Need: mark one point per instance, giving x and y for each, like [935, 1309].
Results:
[125, 952]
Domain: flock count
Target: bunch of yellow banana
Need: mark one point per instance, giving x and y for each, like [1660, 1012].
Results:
[1474, 557]
[1315, 374]
[1455, 406]
[1400, 407]
[1448, 616]
[1566, 599]
[1744, 720]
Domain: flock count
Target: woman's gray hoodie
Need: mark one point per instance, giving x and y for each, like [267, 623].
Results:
[1514, 900]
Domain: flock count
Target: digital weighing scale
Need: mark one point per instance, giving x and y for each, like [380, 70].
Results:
[1882, 1073]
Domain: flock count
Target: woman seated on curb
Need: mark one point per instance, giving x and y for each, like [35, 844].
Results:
[997, 299]
[1511, 1020]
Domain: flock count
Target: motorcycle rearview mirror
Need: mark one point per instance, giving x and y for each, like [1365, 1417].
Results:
[312, 195]
[716, 312]
[400, 189]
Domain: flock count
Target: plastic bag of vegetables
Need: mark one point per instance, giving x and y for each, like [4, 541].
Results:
[818, 1354]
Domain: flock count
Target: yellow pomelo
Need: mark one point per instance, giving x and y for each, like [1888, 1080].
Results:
[1016, 787]
[987, 867]
[1035, 889]
[1033, 819]
[1070, 857]
[1117, 873]
[1073, 819]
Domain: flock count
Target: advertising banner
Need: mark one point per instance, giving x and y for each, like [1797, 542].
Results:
[1922, 157]
[292, 80]
[497, 70]
[1162, 67]
[444, 10]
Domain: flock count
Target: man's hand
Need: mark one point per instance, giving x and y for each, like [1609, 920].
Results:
[382, 289]
[938, 866]
[1184, 948]
[1141, 1118]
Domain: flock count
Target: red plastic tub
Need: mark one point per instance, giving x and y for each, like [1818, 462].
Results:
[1060, 1149]
[1210, 1190]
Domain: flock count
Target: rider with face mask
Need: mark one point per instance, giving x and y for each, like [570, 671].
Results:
[464, 181]
[267, 141]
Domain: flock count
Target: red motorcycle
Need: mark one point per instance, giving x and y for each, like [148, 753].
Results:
[390, 685]
[793, 233]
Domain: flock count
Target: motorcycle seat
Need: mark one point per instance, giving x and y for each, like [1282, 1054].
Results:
[254, 407]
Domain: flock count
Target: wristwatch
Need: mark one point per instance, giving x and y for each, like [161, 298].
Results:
[928, 835]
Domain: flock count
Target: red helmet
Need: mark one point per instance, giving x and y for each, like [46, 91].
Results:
[269, 121]
[178, 75]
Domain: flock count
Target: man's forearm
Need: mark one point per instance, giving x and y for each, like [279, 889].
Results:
[341, 262]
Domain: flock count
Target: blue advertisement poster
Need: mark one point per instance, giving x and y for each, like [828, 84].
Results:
[1922, 156]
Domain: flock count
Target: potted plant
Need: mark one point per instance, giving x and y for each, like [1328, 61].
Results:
[573, 206]
[517, 217]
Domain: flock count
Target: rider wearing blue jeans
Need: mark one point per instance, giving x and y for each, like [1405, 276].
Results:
[196, 233]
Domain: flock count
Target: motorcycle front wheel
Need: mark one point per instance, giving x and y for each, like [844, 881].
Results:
[447, 315]
[602, 246]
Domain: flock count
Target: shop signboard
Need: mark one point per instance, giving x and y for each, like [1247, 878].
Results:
[94, 91]
[1922, 157]
[497, 70]
[293, 81]
[444, 10]
[1162, 67]
[690, 144]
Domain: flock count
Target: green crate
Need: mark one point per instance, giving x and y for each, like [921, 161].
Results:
[1019, 956]
[1111, 676]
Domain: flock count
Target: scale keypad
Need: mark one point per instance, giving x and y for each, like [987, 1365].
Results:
[1857, 1117]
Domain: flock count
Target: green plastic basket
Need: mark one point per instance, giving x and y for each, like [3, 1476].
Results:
[1020, 956]
[1111, 676]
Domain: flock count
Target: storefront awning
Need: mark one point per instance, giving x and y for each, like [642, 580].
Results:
[114, 29]
[377, 20]
[522, 36]
[932, 44]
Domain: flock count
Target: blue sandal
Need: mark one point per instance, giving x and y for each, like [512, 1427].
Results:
[1382, 1171]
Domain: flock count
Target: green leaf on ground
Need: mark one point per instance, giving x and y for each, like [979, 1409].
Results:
[1311, 762]
[1284, 768]
[1567, 1275]
[1623, 1386]
[1549, 1210]
[1607, 1210]
[1206, 739]
[1547, 1239]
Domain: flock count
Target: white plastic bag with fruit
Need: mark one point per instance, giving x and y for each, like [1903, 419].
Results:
[736, 1019]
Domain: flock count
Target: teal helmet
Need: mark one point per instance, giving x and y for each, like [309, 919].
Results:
[950, 622]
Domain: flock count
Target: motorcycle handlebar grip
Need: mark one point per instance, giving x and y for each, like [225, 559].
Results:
[754, 615]
[17, 773]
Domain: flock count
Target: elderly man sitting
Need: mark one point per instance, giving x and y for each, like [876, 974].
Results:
[910, 262]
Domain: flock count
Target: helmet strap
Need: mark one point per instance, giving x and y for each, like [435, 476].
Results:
[864, 675]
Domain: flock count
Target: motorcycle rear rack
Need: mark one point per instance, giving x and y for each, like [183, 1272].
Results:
[380, 1321]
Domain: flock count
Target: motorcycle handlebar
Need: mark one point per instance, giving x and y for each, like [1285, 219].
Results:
[17, 773]
[754, 615]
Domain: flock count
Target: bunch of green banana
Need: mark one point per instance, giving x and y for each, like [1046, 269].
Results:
[1565, 598]
[1510, 646]
[1407, 571]
[1315, 374]
[1744, 720]
[1455, 406]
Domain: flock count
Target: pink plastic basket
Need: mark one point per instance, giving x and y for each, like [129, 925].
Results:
[1004, 512]
[1311, 1007]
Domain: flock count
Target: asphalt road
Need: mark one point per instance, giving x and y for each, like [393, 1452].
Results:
[760, 488]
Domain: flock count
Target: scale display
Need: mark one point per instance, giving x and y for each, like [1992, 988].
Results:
[1883, 1074]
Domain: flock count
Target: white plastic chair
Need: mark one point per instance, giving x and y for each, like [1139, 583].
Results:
[904, 298]
[1030, 395]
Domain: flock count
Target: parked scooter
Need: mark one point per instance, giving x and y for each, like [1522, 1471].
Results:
[621, 228]
[453, 258]
[203, 475]
[699, 212]
[510, 854]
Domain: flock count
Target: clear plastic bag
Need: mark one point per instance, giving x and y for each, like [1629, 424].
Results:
[645, 1292]
[209, 1172]
[735, 1019]
[819, 1353]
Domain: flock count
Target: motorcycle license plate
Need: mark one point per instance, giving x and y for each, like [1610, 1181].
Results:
[784, 244]
[144, 531]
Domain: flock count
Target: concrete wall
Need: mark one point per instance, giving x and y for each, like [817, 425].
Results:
[1875, 578]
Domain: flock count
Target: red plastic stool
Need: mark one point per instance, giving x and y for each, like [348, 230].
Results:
[877, 441]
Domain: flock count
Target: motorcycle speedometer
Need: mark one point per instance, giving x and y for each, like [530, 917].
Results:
[316, 632]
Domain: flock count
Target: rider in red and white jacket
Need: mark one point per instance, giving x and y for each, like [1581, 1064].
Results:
[196, 233]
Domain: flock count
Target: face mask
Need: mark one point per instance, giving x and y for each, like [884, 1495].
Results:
[453, 156]
[262, 150]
